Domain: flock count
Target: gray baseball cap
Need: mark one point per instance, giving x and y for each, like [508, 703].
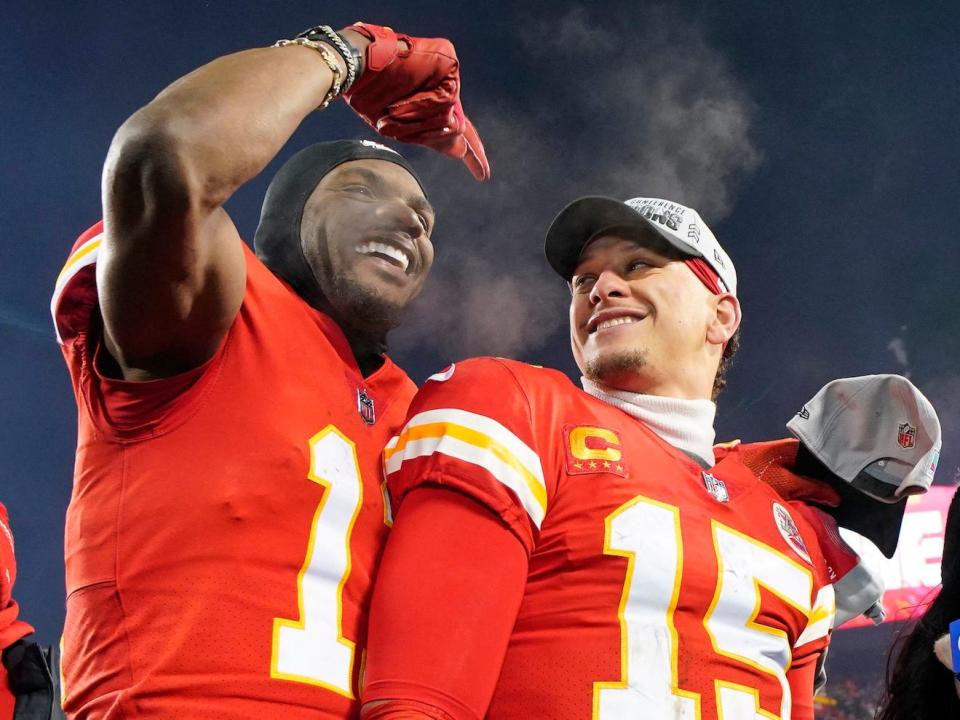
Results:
[876, 432]
[879, 438]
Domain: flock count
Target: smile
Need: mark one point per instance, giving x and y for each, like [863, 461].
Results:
[611, 318]
[390, 253]
[617, 321]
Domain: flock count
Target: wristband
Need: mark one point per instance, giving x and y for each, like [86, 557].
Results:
[336, 88]
[354, 53]
[350, 54]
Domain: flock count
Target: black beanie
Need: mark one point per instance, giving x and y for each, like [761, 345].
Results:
[277, 241]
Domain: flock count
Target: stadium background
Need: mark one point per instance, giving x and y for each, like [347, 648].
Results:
[818, 141]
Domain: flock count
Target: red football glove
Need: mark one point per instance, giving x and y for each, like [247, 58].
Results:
[413, 95]
[8, 564]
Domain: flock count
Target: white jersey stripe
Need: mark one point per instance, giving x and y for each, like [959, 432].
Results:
[821, 617]
[84, 256]
[487, 426]
[479, 440]
[479, 456]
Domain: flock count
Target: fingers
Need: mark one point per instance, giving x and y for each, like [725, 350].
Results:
[427, 120]
[449, 133]
[438, 101]
[425, 111]
[434, 131]
[412, 95]
[475, 157]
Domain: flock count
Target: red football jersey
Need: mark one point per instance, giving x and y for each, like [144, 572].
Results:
[655, 589]
[225, 524]
[11, 629]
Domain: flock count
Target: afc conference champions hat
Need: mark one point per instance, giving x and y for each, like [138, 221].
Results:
[680, 226]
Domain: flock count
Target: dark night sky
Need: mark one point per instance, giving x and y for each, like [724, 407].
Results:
[819, 141]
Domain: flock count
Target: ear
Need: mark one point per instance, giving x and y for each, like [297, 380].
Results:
[725, 321]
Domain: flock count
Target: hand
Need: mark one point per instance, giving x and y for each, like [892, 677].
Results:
[410, 91]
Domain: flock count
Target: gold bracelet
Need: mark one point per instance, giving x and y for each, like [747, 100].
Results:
[334, 92]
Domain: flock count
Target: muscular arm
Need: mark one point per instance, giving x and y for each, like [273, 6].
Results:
[446, 599]
[171, 273]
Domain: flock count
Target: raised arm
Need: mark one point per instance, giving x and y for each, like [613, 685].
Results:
[171, 274]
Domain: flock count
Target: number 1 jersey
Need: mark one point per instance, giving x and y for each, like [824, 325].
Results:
[656, 588]
[225, 524]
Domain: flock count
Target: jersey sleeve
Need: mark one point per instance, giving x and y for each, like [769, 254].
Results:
[806, 672]
[131, 409]
[470, 428]
[11, 629]
[75, 290]
[444, 605]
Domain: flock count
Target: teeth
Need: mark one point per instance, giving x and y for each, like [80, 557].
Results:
[379, 248]
[616, 321]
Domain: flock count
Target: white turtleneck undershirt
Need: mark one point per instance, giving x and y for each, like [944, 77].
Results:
[685, 424]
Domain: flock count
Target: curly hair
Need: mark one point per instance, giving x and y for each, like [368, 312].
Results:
[919, 687]
[720, 380]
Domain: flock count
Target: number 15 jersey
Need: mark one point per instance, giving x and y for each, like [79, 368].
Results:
[656, 588]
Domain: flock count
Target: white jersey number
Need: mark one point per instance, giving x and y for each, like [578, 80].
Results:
[650, 530]
[312, 649]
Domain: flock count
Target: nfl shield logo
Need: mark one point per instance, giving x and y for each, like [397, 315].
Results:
[365, 407]
[716, 487]
[906, 435]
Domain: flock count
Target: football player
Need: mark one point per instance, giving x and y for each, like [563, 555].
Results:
[227, 511]
[567, 553]
[11, 628]
[29, 674]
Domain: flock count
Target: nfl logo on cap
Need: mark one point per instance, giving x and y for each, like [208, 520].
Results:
[906, 435]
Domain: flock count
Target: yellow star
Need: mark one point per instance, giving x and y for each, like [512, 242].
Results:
[619, 467]
[578, 465]
[593, 465]
[606, 464]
